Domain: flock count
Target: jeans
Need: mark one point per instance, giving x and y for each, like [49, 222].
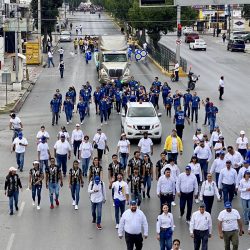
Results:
[61, 72]
[243, 152]
[85, 165]
[186, 198]
[62, 162]
[36, 190]
[50, 61]
[201, 238]
[165, 241]
[75, 192]
[228, 192]
[82, 115]
[13, 198]
[61, 57]
[100, 153]
[221, 90]
[76, 146]
[194, 111]
[123, 159]
[20, 160]
[53, 189]
[147, 182]
[96, 207]
[44, 163]
[173, 156]
[120, 207]
[206, 118]
[68, 113]
[211, 123]
[204, 167]
[187, 110]
[103, 114]
[246, 209]
[55, 117]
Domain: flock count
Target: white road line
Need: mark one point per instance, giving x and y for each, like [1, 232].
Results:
[10, 241]
[21, 209]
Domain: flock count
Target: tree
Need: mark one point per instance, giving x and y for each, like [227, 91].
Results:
[246, 11]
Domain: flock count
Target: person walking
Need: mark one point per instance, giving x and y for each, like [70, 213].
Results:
[103, 107]
[165, 228]
[15, 124]
[186, 188]
[148, 176]
[42, 133]
[208, 191]
[43, 153]
[206, 104]
[50, 58]
[61, 52]
[100, 143]
[145, 145]
[132, 222]
[19, 146]
[52, 178]
[242, 144]
[136, 162]
[121, 196]
[75, 183]
[76, 140]
[160, 164]
[68, 107]
[201, 228]
[123, 150]
[187, 98]
[11, 188]
[114, 168]
[55, 106]
[62, 151]
[97, 192]
[82, 108]
[36, 177]
[230, 226]
[95, 169]
[179, 120]
[212, 112]
[235, 158]
[195, 105]
[61, 67]
[221, 87]
[176, 71]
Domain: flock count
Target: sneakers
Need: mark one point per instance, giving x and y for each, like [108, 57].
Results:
[116, 226]
[148, 195]
[101, 124]
[73, 203]
[16, 208]
[57, 202]
[33, 203]
[188, 222]
[173, 203]
[196, 201]
[38, 208]
[93, 221]
[76, 207]
[67, 123]
[81, 123]
[51, 206]
[11, 213]
[106, 123]
[99, 227]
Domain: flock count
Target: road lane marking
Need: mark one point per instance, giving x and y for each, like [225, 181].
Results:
[10, 241]
[21, 209]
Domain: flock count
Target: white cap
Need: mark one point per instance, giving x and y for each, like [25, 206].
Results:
[12, 169]
[77, 125]
[36, 162]
[242, 132]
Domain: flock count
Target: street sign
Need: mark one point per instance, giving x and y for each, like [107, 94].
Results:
[156, 3]
[209, 2]
[178, 41]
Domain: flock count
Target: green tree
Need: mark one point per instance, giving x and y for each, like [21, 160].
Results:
[246, 11]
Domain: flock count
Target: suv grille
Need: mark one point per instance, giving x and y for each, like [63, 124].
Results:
[115, 72]
[143, 127]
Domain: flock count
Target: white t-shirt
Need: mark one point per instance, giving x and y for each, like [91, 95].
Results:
[120, 190]
[86, 150]
[229, 220]
[123, 146]
[62, 148]
[63, 133]
[176, 67]
[40, 134]
[100, 140]
[43, 149]
[145, 145]
[174, 145]
[19, 148]
[242, 142]
[15, 122]
[222, 83]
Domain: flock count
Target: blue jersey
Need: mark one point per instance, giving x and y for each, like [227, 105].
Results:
[169, 101]
[86, 96]
[180, 117]
[165, 91]
[82, 106]
[117, 96]
[55, 105]
[195, 101]
[88, 55]
[97, 96]
[103, 105]
[177, 101]
[212, 111]
[124, 100]
[118, 84]
[72, 95]
[67, 105]
[152, 98]
[156, 92]
[59, 96]
[187, 98]
[132, 84]
[157, 84]
[207, 106]
[132, 97]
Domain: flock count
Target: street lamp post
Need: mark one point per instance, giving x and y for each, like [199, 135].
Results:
[178, 46]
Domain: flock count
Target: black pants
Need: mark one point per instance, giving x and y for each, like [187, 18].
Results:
[186, 198]
[200, 238]
[194, 111]
[61, 72]
[118, 106]
[179, 129]
[169, 110]
[221, 90]
[133, 240]
[76, 146]
[157, 101]
[208, 200]
[99, 154]
[206, 118]
[176, 76]
[166, 199]
[187, 110]
[55, 117]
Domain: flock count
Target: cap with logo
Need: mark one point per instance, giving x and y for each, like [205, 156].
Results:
[187, 168]
[228, 204]
[133, 203]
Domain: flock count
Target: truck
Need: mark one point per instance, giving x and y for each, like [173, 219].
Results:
[112, 59]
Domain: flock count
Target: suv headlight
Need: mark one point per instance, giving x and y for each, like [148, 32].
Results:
[130, 126]
[104, 72]
[127, 72]
[156, 125]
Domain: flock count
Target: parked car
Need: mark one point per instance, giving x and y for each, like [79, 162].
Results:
[187, 30]
[140, 118]
[198, 44]
[65, 36]
[190, 37]
[246, 38]
[236, 45]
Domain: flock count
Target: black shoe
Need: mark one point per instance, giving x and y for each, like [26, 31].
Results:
[143, 195]
[148, 196]
[52, 124]
[16, 208]
[21, 170]
[11, 213]
[93, 221]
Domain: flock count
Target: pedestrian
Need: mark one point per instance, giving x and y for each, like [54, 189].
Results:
[136, 161]
[50, 58]
[71, 95]
[100, 143]
[176, 244]
[43, 153]
[15, 125]
[19, 146]
[224, 37]
[160, 164]
[97, 192]
[132, 222]
[61, 52]
[53, 176]
[208, 191]
[221, 87]
[227, 181]
[215, 135]
[246, 166]
[242, 144]
[179, 120]
[175, 171]
[168, 105]
[118, 101]
[55, 106]
[68, 107]
[76, 140]
[201, 228]
[49, 45]
[62, 151]
[212, 112]
[61, 68]
[121, 196]
[82, 109]
[88, 56]
[95, 169]
[97, 97]
[75, 42]
[229, 226]
[219, 146]
[197, 137]
[85, 151]
[165, 89]
[11, 188]
[75, 183]
[36, 177]
[176, 71]
[166, 189]
[63, 132]
[244, 188]
[145, 145]
[148, 176]
[206, 104]
[71, 26]
[123, 150]
[103, 107]
[188, 99]
[186, 188]
[42, 133]
[165, 228]
[177, 100]
[114, 168]
[80, 27]
[195, 105]
[235, 158]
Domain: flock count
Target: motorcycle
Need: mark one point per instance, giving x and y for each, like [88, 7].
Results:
[192, 79]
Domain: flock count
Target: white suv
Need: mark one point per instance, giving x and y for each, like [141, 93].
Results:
[141, 117]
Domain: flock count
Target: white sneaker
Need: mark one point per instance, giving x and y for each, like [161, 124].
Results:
[106, 123]
[117, 226]
[101, 124]
[196, 201]
[76, 207]
[67, 123]
[38, 208]
[188, 222]
[173, 203]
[81, 123]
[33, 203]
[113, 204]
[73, 203]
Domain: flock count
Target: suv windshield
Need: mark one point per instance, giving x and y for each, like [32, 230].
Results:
[239, 41]
[141, 112]
[114, 58]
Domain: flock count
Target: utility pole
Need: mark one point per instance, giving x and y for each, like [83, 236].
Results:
[178, 44]
[39, 22]
[16, 43]
[229, 21]
[65, 9]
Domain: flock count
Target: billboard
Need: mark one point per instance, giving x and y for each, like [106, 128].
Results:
[209, 2]
[150, 3]
[32, 53]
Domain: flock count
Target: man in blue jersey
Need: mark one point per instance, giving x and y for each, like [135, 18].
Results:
[211, 114]
[195, 106]
[103, 106]
[187, 97]
[179, 120]
[55, 105]
[177, 100]
[82, 108]
[97, 97]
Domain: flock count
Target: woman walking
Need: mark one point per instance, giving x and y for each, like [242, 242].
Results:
[123, 150]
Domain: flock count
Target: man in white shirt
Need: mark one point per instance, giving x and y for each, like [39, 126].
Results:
[230, 226]
[100, 143]
[242, 171]
[15, 125]
[97, 192]
[19, 145]
[145, 145]
[186, 188]
[62, 150]
[61, 51]
[41, 133]
[43, 153]
[76, 139]
[121, 195]
[201, 228]
[132, 222]
[221, 87]
[235, 158]
[227, 181]
[176, 71]
[50, 59]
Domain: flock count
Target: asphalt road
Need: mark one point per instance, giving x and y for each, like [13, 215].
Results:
[67, 229]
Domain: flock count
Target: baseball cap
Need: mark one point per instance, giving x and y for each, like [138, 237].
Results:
[12, 169]
[228, 204]
[62, 135]
[20, 134]
[198, 129]
[77, 125]
[221, 137]
[187, 168]
[202, 140]
[36, 162]
[99, 129]
[202, 204]
[247, 172]
[242, 132]
[228, 161]
[97, 178]
[133, 203]
[43, 138]
[216, 126]
[222, 152]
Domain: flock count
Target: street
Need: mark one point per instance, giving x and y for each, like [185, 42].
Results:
[66, 229]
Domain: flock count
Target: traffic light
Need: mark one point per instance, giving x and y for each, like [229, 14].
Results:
[179, 30]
